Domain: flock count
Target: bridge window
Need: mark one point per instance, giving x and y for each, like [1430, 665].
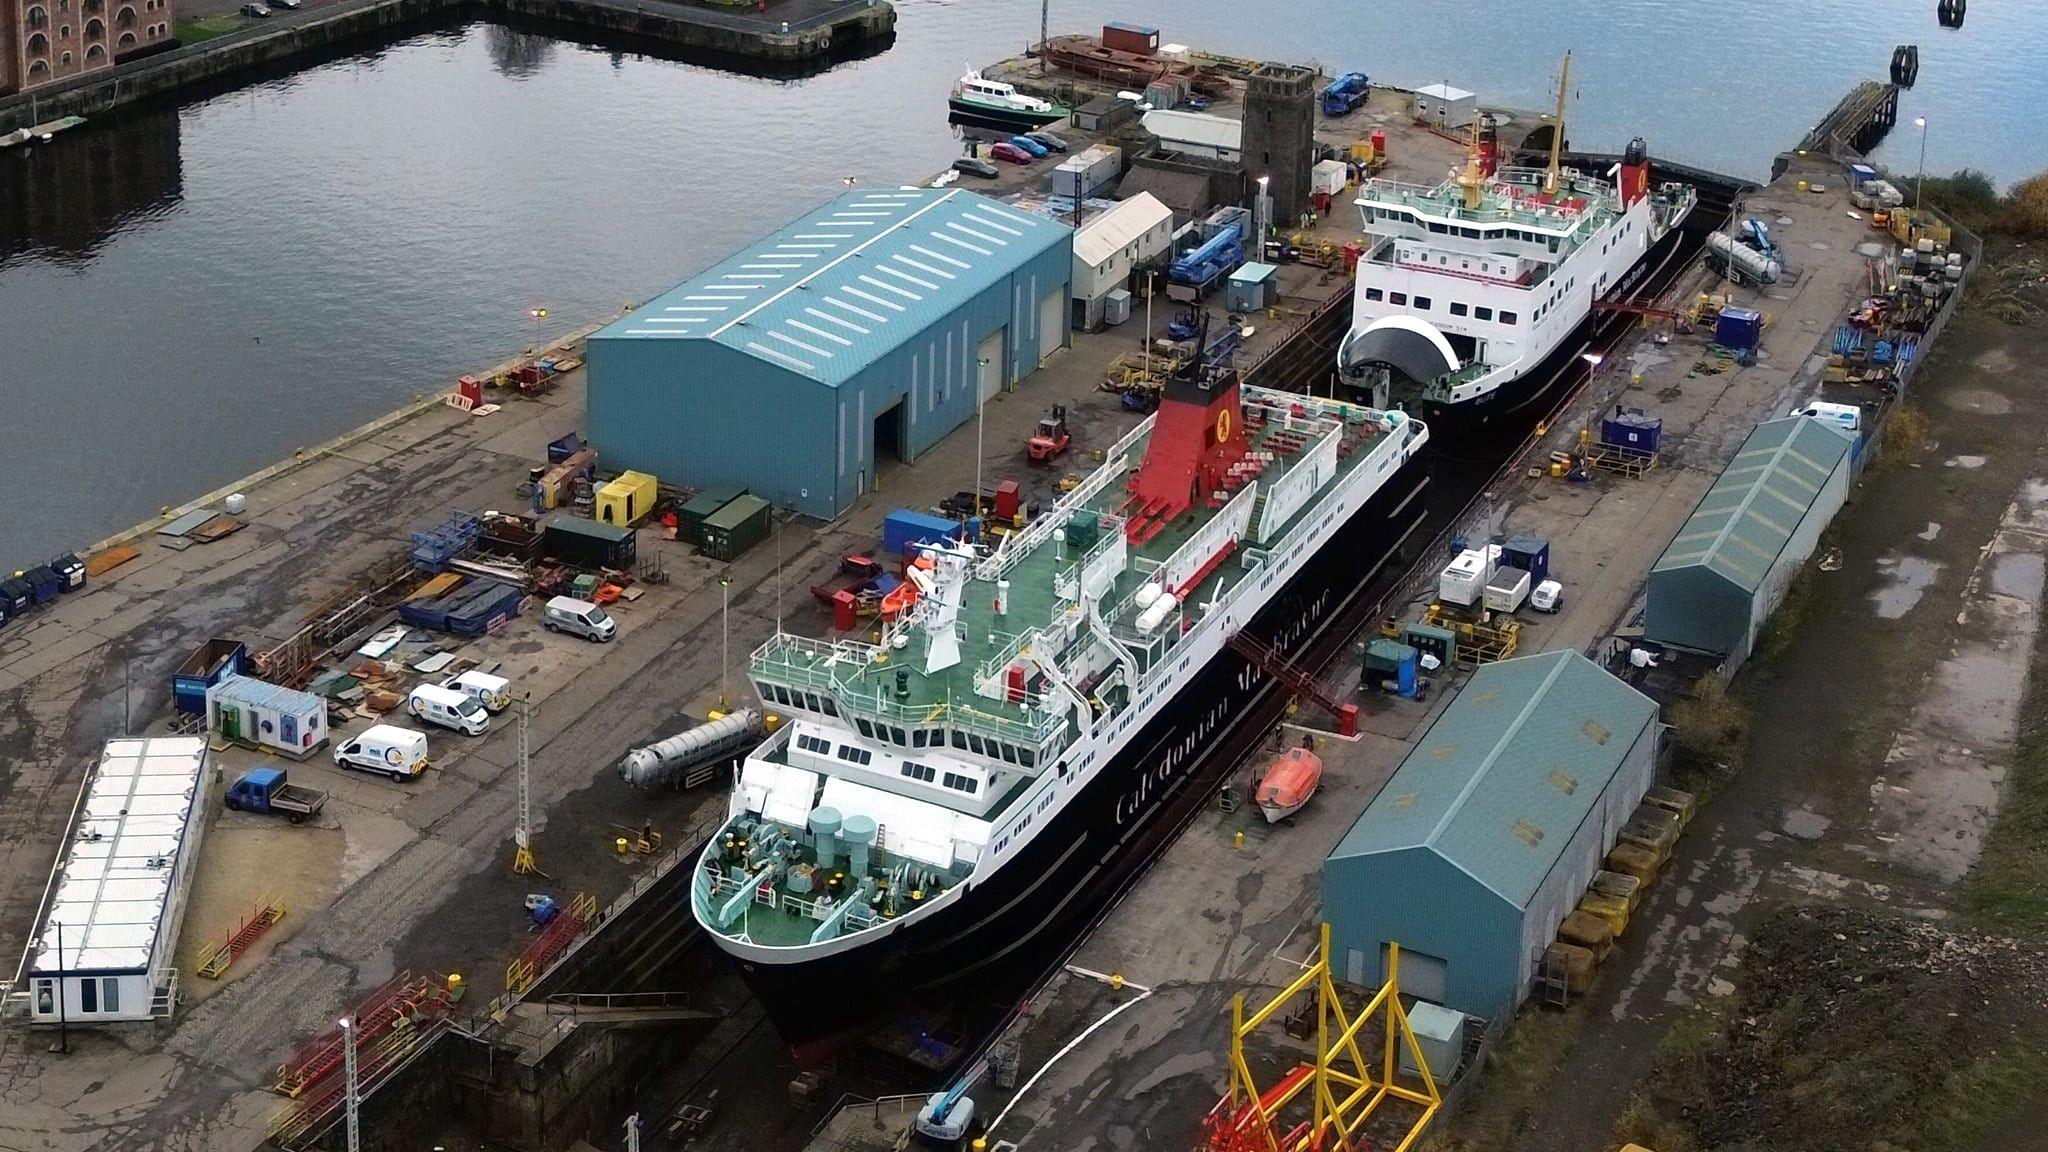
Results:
[1507, 317]
[1028, 757]
[1374, 294]
[958, 783]
[1482, 313]
[1422, 303]
[853, 755]
[1397, 298]
[923, 772]
[917, 737]
[1458, 310]
[866, 729]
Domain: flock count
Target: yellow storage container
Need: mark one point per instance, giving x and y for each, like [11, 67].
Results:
[626, 500]
[1608, 908]
[1634, 860]
[1577, 963]
[1589, 932]
[1679, 804]
[1620, 885]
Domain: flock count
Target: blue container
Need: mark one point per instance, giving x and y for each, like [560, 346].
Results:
[562, 449]
[906, 526]
[213, 662]
[1634, 431]
[16, 596]
[1529, 553]
[1739, 329]
[44, 583]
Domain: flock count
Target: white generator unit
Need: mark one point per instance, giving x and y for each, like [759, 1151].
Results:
[1507, 590]
[1464, 579]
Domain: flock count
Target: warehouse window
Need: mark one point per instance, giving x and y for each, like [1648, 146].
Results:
[88, 995]
[110, 994]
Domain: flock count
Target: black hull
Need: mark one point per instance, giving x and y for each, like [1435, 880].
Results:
[1024, 919]
[977, 116]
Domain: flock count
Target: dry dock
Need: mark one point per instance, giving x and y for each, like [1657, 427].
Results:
[1232, 907]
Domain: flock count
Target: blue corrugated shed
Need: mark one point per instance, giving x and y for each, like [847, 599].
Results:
[860, 329]
[1729, 564]
[1487, 833]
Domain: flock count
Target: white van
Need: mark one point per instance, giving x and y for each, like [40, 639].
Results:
[493, 692]
[1847, 417]
[449, 709]
[400, 753]
[578, 618]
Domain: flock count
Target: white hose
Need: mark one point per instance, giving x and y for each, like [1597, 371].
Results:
[1056, 1057]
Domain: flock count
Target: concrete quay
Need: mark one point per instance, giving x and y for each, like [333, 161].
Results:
[783, 37]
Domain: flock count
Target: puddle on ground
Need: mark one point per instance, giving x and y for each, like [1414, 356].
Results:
[1977, 400]
[1805, 824]
[1996, 360]
[2035, 492]
[1871, 249]
[1909, 577]
[2020, 575]
[1933, 530]
[1963, 462]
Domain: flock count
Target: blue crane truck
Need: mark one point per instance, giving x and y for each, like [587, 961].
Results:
[1345, 93]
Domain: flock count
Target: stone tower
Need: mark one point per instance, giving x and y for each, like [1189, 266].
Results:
[1279, 136]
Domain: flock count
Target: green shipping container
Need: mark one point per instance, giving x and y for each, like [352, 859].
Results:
[738, 526]
[690, 517]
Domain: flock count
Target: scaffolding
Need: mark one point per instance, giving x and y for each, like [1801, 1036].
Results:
[1343, 1087]
[1479, 641]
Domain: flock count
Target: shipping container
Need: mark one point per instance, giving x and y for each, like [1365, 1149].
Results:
[1090, 171]
[1130, 38]
[215, 661]
[738, 526]
[1739, 328]
[1635, 431]
[584, 543]
[906, 527]
[691, 516]
[1529, 553]
[627, 499]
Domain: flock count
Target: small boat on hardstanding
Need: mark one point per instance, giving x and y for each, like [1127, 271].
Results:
[1024, 738]
[1470, 289]
[989, 103]
[1288, 784]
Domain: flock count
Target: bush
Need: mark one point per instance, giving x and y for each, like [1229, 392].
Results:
[1708, 731]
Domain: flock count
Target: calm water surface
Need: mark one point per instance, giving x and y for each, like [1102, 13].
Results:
[188, 293]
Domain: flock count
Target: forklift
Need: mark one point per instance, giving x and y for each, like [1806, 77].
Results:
[1051, 439]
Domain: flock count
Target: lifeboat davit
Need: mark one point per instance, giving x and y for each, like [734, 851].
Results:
[1289, 783]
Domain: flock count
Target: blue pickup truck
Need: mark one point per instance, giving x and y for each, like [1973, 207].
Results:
[265, 791]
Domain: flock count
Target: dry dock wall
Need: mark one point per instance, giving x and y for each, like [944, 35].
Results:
[747, 41]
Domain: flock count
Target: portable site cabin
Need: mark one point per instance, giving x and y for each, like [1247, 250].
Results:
[1442, 106]
[626, 499]
[290, 722]
[105, 936]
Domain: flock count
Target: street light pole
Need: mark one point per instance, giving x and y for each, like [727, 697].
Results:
[1920, 180]
[724, 641]
[1150, 276]
[1262, 210]
[354, 1096]
[979, 404]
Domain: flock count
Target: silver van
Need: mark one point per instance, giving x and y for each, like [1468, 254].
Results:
[578, 618]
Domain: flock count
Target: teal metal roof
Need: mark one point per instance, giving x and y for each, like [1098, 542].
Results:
[1498, 784]
[838, 289]
[1743, 522]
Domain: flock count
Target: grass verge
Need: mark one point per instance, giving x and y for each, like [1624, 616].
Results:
[206, 28]
[2008, 889]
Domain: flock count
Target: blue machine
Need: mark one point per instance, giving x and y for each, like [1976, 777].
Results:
[1739, 329]
[1756, 234]
[1345, 93]
[946, 1116]
[1203, 266]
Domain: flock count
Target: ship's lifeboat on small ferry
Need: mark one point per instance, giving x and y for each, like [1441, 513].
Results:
[1289, 783]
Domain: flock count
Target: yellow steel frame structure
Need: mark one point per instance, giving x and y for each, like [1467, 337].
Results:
[1337, 1119]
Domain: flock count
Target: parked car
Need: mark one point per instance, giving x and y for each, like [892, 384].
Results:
[1029, 145]
[1048, 139]
[255, 11]
[1011, 153]
[974, 166]
[287, 5]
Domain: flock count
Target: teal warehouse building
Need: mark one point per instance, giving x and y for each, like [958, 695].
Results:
[1489, 831]
[862, 333]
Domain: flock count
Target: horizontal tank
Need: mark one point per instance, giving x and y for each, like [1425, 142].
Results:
[726, 736]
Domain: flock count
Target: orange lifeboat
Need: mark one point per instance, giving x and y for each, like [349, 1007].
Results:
[1289, 783]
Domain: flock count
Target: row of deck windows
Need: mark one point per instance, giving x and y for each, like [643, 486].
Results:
[1424, 304]
[790, 698]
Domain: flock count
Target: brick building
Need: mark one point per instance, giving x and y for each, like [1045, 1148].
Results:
[42, 41]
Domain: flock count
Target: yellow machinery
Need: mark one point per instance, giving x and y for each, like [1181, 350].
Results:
[1344, 1087]
[1479, 641]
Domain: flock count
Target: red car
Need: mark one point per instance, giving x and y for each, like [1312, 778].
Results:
[1010, 152]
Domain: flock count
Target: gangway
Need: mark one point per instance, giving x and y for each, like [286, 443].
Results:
[1296, 678]
[250, 930]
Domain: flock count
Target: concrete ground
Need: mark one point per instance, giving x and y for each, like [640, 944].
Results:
[1212, 919]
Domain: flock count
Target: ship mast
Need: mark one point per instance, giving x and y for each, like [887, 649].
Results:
[1564, 80]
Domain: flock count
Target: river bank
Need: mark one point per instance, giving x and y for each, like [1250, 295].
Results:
[782, 37]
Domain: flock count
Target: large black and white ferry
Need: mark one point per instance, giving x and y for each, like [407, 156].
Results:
[968, 790]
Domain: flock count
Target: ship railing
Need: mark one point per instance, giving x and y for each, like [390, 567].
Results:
[875, 704]
[802, 662]
[1001, 658]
